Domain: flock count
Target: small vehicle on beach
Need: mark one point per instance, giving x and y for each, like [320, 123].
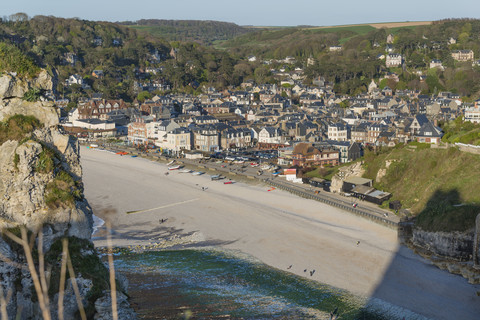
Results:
[216, 177]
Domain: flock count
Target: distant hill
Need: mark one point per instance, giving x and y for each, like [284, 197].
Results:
[205, 32]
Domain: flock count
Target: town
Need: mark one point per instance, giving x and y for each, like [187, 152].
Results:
[298, 125]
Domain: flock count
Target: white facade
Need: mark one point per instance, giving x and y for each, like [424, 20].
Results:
[337, 132]
[472, 114]
[178, 140]
[270, 135]
[393, 60]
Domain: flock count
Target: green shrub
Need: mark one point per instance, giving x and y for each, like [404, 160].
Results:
[32, 95]
[46, 161]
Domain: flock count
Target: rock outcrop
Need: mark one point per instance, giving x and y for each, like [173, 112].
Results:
[41, 189]
[353, 170]
[455, 245]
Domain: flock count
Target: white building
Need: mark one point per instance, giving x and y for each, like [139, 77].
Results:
[270, 135]
[338, 132]
[472, 114]
[393, 60]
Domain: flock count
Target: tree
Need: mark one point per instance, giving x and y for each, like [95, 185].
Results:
[144, 95]
[19, 17]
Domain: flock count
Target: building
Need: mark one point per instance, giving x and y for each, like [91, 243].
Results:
[236, 138]
[373, 132]
[393, 60]
[139, 131]
[305, 155]
[335, 48]
[358, 132]
[348, 151]
[429, 133]
[179, 139]
[99, 109]
[463, 55]
[339, 132]
[270, 135]
[435, 63]
[91, 128]
[472, 114]
[161, 130]
[206, 139]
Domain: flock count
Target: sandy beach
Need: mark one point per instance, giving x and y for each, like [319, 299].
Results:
[275, 227]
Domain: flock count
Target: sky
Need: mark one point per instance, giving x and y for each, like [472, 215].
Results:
[250, 12]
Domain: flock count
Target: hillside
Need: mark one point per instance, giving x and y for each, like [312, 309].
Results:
[205, 32]
[71, 46]
[362, 46]
[439, 186]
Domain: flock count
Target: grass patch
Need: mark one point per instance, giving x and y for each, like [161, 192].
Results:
[326, 172]
[362, 29]
[429, 182]
[46, 160]
[18, 128]
[62, 191]
[16, 161]
[444, 212]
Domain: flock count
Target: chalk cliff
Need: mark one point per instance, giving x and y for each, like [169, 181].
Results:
[41, 189]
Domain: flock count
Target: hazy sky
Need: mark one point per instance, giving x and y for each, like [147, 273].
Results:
[250, 12]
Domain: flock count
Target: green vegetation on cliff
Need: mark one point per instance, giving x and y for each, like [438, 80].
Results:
[18, 127]
[439, 186]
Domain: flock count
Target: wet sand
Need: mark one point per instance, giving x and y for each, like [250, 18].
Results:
[275, 227]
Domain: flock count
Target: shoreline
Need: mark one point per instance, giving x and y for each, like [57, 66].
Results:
[275, 227]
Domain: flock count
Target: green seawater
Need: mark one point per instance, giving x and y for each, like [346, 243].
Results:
[211, 284]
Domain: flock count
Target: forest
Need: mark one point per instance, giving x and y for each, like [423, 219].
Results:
[124, 53]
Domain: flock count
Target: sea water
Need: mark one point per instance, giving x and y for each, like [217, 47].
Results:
[212, 284]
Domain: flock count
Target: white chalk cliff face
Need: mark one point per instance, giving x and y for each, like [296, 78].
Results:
[30, 169]
[22, 185]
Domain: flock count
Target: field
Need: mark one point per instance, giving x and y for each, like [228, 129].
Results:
[390, 25]
[359, 28]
